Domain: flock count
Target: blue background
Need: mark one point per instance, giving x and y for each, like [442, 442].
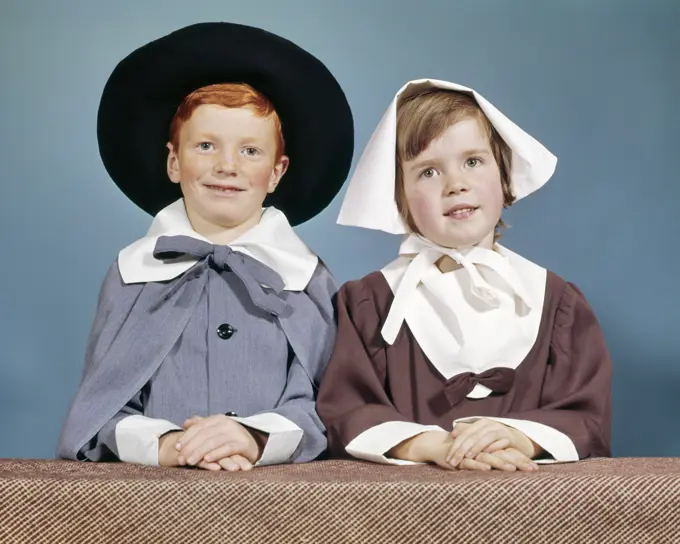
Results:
[596, 81]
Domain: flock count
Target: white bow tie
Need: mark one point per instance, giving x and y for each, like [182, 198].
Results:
[424, 254]
[272, 241]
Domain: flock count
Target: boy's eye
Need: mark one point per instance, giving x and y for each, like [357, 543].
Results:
[205, 146]
[473, 161]
[251, 151]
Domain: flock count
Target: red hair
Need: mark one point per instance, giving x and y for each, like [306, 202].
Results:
[228, 95]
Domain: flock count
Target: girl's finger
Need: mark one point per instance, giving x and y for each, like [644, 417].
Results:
[473, 444]
[471, 464]
[495, 461]
[459, 428]
[517, 458]
[462, 437]
[485, 439]
[501, 444]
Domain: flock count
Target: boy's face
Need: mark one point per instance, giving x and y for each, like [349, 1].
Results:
[226, 165]
[453, 188]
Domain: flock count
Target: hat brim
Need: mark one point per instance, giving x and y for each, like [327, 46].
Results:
[145, 89]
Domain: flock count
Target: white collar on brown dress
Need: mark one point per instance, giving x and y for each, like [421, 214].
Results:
[483, 315]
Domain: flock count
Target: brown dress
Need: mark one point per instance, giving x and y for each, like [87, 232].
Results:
[564, 381]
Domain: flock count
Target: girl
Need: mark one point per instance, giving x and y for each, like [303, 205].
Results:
[460, 352]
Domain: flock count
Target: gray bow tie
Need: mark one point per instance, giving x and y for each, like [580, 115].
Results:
[252, 273]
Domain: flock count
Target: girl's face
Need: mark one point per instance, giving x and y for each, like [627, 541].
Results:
[453, 189]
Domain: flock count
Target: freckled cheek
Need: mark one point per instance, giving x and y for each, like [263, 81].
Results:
[195, 170]
[258, 175]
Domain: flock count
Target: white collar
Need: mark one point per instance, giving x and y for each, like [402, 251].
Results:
[272, 241]
[419, 256]
[369, 199]
[485, 315]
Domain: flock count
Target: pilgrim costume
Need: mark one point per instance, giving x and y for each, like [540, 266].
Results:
[184, 327]
[499, 338]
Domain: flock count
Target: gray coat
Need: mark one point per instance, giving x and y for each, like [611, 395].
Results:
[154, 350]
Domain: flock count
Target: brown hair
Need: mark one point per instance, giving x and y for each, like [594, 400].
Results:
[422, 118]
[228, 95]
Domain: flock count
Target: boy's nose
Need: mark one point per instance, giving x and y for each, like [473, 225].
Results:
[225, 164]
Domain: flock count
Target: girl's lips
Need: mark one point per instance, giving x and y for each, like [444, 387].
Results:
[461, 212]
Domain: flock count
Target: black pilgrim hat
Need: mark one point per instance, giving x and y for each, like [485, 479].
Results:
[145, 89]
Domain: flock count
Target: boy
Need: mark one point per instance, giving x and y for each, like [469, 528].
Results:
[213, 330]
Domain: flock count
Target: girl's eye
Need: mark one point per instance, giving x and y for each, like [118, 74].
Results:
[205, 146]
[473, 161]
[428, 173]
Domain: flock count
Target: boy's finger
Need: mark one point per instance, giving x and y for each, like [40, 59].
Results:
[189, 446]
[228, 464]
[204, 443]
[242, 462]
[214, 467]
[192, 421]
[226, 450]
[208, 438]
[193, 431]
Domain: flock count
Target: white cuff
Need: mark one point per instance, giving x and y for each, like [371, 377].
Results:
[137, 438]
[373, 443]
[554, 442]
[284, 436]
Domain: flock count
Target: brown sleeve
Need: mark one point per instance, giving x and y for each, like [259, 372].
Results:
[576, 395]
[352, 395]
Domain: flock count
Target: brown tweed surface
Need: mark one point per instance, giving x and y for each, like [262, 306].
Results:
[599, 500]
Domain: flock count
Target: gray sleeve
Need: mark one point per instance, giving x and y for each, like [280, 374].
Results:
[114, 305]
[298, 405]
[102, 447]
[320, 335]
[298, 402]
[323, 290]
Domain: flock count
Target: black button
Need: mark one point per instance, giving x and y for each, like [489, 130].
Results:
[225, 331]
[231, 414]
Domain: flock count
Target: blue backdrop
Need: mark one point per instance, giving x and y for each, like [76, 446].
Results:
[596, 82]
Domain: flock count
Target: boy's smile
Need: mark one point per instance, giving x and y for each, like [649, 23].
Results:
[225, 190]
[226, 165]
[453, 188]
